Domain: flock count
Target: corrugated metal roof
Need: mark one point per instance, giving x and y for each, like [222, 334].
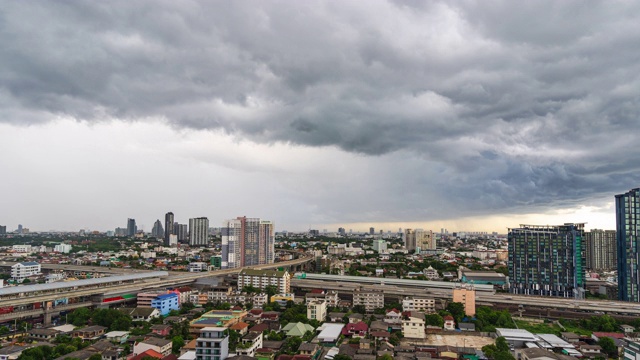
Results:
[85, 282]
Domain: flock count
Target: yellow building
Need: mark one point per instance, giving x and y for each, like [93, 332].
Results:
[467, 296]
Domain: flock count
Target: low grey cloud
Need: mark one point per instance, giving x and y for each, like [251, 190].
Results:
[512, 106]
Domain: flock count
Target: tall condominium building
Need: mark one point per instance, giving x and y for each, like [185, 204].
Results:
[419, 239]
[168, 227]
[3, 230]
[132, 229]
[157, 231]
[198, 231]
[627, 232]
[181, 231]
[547, 260]
[601, 249]
[372, 231]
[246, 242]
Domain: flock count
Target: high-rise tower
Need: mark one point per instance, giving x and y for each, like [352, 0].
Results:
[132, 229]
[246, 242]
[157, 231]
[601, 249]
[198, 231]
[627, 231]
[547, 260]
[168, 227]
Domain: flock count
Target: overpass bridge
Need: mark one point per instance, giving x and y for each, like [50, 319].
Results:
[551, 307]
[42, 299]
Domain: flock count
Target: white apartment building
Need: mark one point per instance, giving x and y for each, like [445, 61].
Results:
[413, 326]
[23, 270]
[370, 299]
[62, 248]
[317, 310]
[250, 343]
[21, 248]
[260, 279]
[330, 297]
[198, 267]
[419, 304]
[212, 344]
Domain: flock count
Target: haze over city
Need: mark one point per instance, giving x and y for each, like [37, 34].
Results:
[465, 116]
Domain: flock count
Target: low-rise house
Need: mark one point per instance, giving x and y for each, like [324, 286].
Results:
[413, 325]
[297, 329]
[590, 351]
[336, 316]
[249, 344]
[467, 326]
[309, 349]
[449, 323]
[242, 328]
[162, 346]
[393, 316]
[11, 352]
[355, 317]
[90, 332]
[570, 337]
[119, 337]
[142, 313]
[161, 330]
[355, 330]
[43, 334]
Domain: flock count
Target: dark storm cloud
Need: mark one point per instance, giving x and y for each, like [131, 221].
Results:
[522, 104]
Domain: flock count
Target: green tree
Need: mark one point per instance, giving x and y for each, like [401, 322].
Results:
[456, 310]
[270, 290]
[502, 344]
[608, 346]
[386, 357]
[95, 357]
[79, 317]
[178, 343]
[434, 320]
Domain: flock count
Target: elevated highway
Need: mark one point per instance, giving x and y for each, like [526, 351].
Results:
[543, 306]
[28, 295]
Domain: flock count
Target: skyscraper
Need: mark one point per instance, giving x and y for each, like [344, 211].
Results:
[168, 227]
[247, 241]
[132, 229]
[409, 239]
[372, 231]
[157, 231]
[547, 260]
[198, 231]
[627, 231]
[181, 231]
[601, 249]
[3, 230]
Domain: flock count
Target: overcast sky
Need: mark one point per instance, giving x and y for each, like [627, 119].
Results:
[465, 115]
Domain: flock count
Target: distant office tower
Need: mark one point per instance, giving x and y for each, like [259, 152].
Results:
[409, 239]
[601, 249]
[19, 231]
[182, 232]
[425, 240]
[372, 231]
[157, 231]
[198, 231]
[3, 230]
[342, 231]
[132, 229]
[246, 242]
[627, 231]
[168, 227]
[547, 260]
[120, 231]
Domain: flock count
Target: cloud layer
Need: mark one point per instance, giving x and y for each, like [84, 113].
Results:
[485, 107]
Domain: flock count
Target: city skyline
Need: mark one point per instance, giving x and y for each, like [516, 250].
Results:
[316, 114]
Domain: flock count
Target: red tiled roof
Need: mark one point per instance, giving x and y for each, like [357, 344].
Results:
[239, 326]
[149, 352]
